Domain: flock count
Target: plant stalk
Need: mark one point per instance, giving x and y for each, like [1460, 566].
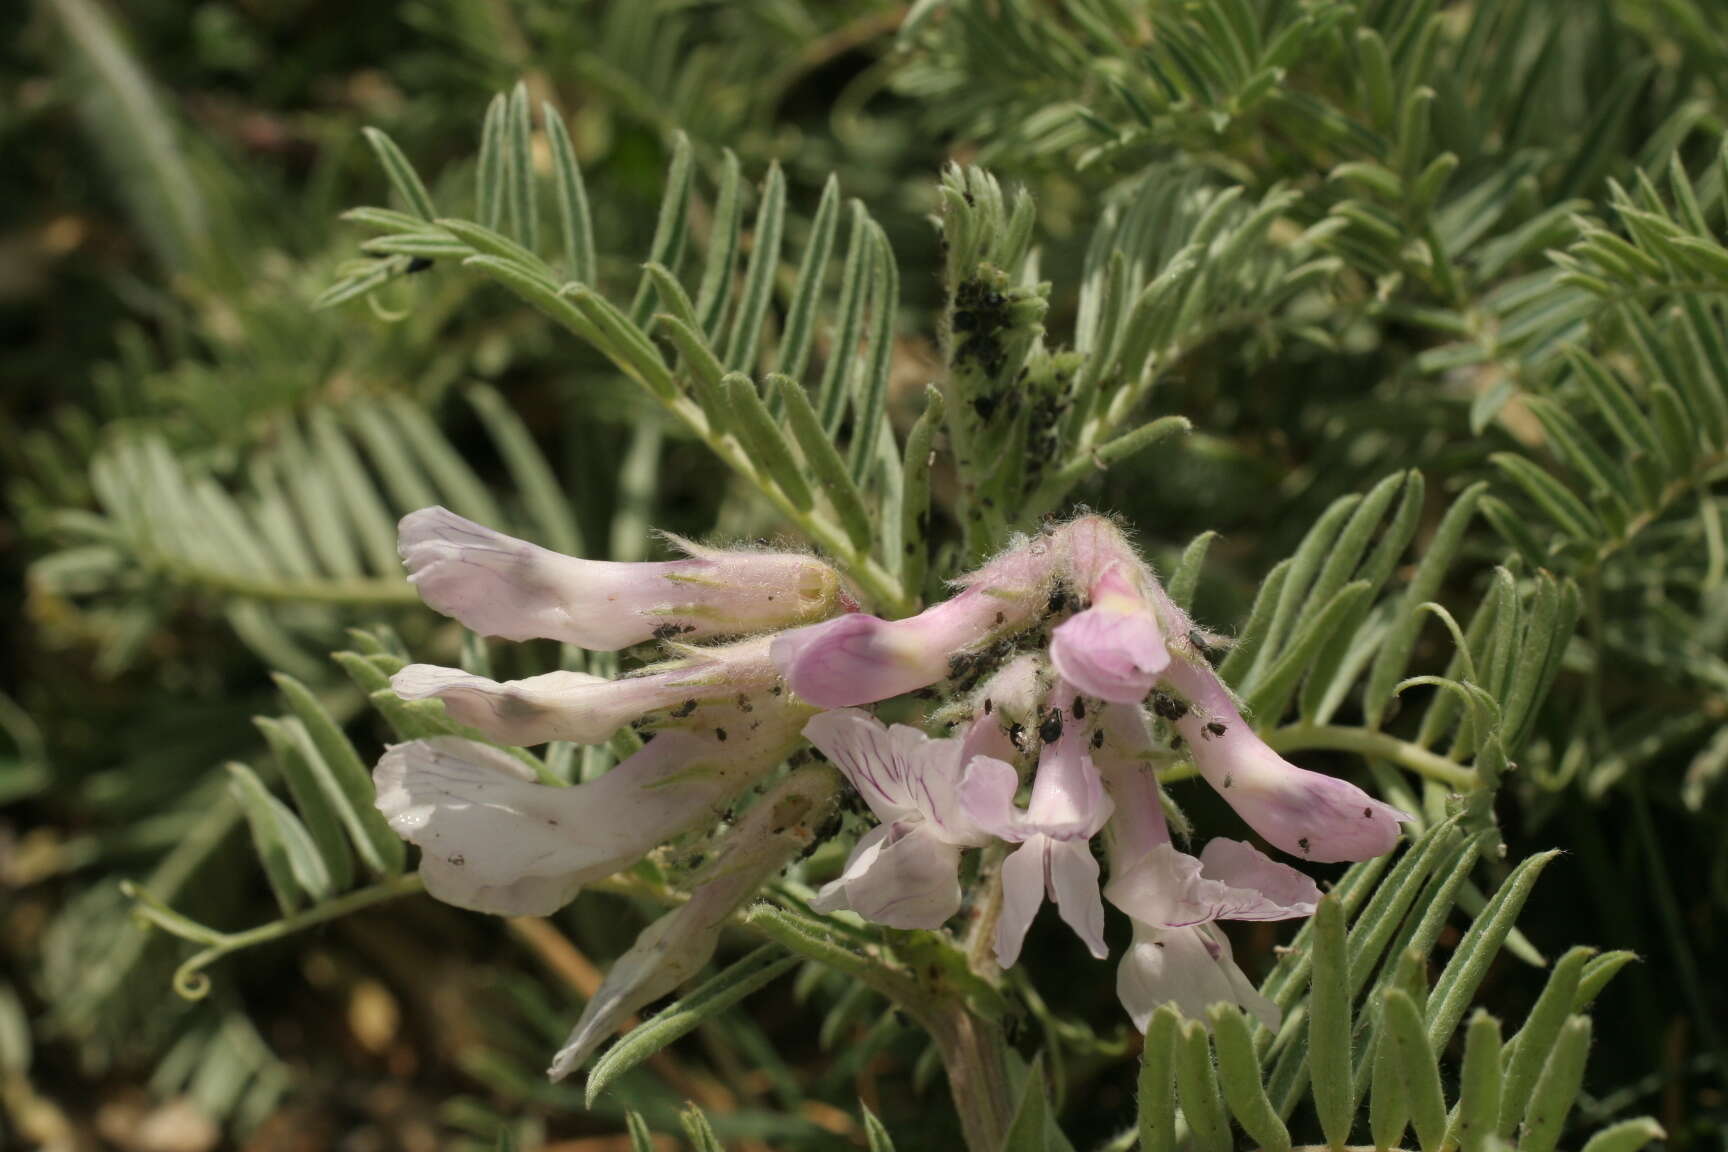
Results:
[975, 1057]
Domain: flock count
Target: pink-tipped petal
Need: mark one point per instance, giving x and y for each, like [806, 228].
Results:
[1115, 649]
[854, 659]
[1109, 656]
[1307, 814]
[860, 659]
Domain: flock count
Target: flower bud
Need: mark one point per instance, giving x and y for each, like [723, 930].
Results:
[860, 659]
[589, 709]
[1306, 814]
[1114, 649]
[497, 585]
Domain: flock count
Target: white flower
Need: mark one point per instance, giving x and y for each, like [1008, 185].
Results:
[494, 840]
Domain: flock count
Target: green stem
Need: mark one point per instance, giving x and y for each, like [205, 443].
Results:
[975, 1055]
[881, 586]
[973, 1049]
[190, 980]
[1300, 737]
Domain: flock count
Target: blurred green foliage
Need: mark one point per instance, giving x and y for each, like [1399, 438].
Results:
[1502, 226]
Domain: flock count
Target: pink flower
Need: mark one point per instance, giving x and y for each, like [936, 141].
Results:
[1306, 814]
[500, 586]
[1115, 649]
[1173, 899]
[1068, 807]
[905, 872]
[589, 709]
[860, 659]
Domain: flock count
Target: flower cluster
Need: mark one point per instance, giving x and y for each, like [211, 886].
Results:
[1063, 661]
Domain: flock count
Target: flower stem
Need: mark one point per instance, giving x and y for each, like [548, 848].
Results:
[881, 586]
[1298, 737]
[975, 1056]
[981, 938]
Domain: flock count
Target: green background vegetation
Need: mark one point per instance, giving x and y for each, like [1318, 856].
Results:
[1488, 247]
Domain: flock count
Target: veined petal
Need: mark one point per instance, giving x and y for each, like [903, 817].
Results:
[1231, 881]
[1306, 814]
[495, 841]
[1073, 884]
[1113, 650]
[1189, 967]
[900, 771]
[1241, 866]
[501, 586]
[901, 874]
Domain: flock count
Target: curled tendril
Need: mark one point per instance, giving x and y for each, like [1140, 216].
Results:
[191, 982]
